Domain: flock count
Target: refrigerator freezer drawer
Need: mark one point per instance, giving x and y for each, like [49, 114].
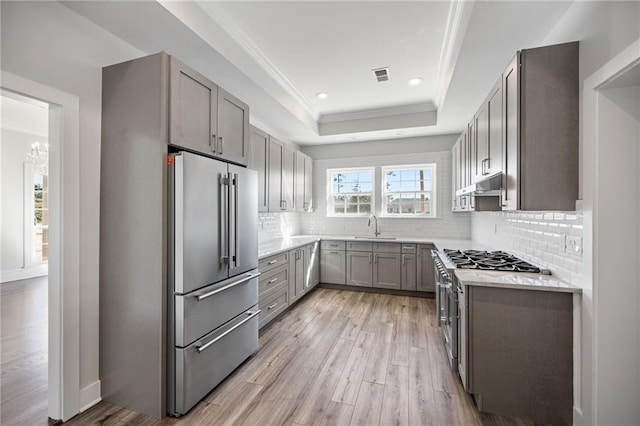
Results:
[201, 311]
[204, 364]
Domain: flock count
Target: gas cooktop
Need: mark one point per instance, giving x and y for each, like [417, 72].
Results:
[491, 261]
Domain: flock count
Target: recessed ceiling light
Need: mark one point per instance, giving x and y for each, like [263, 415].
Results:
[415, 81]
[322, 95]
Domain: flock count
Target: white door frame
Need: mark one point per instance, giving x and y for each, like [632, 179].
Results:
[64, 252]
[596, 230]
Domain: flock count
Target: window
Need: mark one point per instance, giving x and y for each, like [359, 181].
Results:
[350, 192]
[409, 191]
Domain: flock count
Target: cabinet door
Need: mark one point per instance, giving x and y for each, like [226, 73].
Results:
[426, 279]
[473, 151]
[481, 123]
[332, 267]
[307, 204]
[454, 176]
[511, 141]
[275, 175]
[233, 128]
[493, 164]
[359, 270]
[311, 265]
[288, 178]
[299, 181]
[409, 272]
[259, 161]
[387, 270]
[193, 109]
[296, 274]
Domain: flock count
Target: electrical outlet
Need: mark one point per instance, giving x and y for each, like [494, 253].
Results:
[573, 245]
[495, 228]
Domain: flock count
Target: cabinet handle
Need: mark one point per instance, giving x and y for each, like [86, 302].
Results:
[272, 281]
[404, 258]
[273, 305]
[375, 258]
[272, 262]
[370, 257]
[283, 204]
[212, 144]
[221, 144]
[485, 161]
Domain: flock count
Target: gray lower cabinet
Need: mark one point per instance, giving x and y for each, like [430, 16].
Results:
[426, 279]
[359, 268]
[273, 287]
[519, 352]
[409, 268]
[297, 272]
[387, 270]
[332, 262]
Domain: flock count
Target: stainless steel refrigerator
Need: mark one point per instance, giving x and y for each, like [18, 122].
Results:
[212, 275]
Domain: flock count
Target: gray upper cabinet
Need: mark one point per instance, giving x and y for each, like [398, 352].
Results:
[488, 134]
[541, 104]
[274, 172]
[426, 279]
[205, 118]
[259, 161]
[288, 179]
[303, 182]
[193, 104]
[233, 128]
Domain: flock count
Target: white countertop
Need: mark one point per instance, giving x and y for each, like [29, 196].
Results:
[523, 281]
[269, 248]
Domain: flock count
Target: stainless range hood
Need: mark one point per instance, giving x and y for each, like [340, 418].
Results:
[491, 186]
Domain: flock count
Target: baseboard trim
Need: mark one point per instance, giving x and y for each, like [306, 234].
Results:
[424, 294]
[90, 396]
[24, 273]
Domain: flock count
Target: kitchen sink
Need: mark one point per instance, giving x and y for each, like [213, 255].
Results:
[375, 238]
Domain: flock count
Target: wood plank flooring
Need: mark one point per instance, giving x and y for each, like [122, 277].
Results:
[336, 358]
[24, 333]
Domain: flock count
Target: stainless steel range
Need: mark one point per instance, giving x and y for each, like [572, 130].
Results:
[445, 262]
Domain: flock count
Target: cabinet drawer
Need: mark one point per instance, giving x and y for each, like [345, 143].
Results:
[272, 279]
[409, 248]
[201, 311]
[332, 245]
[387, 247]
[204, 364]
[359, 246]
[268, 263]
[271, 306]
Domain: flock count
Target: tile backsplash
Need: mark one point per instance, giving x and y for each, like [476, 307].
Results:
[273, 226]
[539, 237]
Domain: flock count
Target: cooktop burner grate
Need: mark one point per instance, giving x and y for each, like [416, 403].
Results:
[490, 261]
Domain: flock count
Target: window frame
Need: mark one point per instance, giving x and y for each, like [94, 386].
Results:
[433, 192]
[330, 195]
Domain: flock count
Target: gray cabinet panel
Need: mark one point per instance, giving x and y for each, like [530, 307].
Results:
[307, 204]
[359, 271]
[233, 128]
[276, 148]
[296, 274]
[494, 121]
[288, 178]
[332, 266]
[511, 137]
[387, 270]
[193, 109]
[426, 279]
[409, 271]
[259, 161]
[481, 122]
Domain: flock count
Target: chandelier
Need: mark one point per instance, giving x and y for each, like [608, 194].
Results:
[39, 157]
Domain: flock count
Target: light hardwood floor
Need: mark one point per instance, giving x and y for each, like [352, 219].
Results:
[336, 358]
[23, 382]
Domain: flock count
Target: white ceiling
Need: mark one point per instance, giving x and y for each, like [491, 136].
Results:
[277, 55]
[20, 115]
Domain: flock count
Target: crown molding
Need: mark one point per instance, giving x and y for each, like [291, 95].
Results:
[216, 13]
[386, 122]
[377, 113]
[457, 24]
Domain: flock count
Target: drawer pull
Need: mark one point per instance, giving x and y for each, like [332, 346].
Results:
[273, 305]
[226, 287]
[272, 262]
[272, 281]
[205, 346]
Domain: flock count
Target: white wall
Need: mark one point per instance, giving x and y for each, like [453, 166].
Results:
[14, 147]
[385, 153]
[47, 43]
[277, 225]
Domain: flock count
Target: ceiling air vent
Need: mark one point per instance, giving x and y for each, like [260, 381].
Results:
[382, 74]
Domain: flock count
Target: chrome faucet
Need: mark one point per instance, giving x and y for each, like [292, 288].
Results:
[377, 231]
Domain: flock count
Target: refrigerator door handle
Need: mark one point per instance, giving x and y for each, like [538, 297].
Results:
[236, 240]
[224, 218]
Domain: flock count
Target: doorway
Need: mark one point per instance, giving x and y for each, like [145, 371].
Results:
[24, 253]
